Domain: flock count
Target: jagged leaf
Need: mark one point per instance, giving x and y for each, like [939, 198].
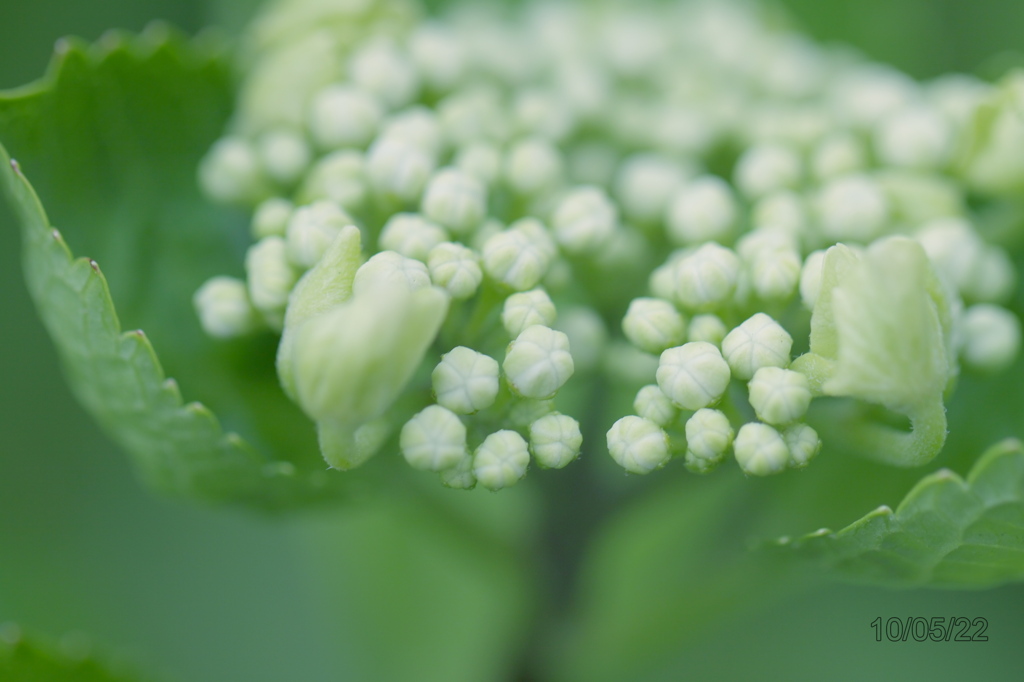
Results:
[947, 532]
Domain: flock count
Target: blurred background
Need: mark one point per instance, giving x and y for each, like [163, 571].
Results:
[201, 595]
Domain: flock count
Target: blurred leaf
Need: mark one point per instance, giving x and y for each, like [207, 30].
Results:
[24, 660]
[947, 532]
[114, 134]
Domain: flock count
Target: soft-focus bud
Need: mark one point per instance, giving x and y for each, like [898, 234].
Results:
[456, 268]
[339, 177]
[434, 439]
[638, 445]
[390, 267]
[653, 325]
[533, 166]
[704, 209]
[760, 450]
[231, 173]
[538, 362]
[766, 168]
[645, 184]
[584, 220]
[417, 125]
[708, 328]
[759, 342]
[411, 235]
[991, 337]
[343, 116]
[852, 207]
[784, 210]
[271, 218]
[482, 160]
[917, 137]
[810, 278]
[398, 169]
[525, 309]
[837, 155]
[779, 396]
[650, 403]
[465, 381]
[311, 230]
[285, 155]
[555, 440]
[993, 163]
[706, 278]
[978, 271]
[587, 335]
[455, 200]
[437, 56]
[803, 444]
[517, 257]
[501, 460]
[270, 277]
[460, 476]
[708, 437]
[693, 375]
[381, 68]
[224, 309]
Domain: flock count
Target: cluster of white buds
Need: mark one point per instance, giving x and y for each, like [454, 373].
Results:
[464, 216]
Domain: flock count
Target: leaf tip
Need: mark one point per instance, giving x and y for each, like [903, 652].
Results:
[16, 167]
[95, 266]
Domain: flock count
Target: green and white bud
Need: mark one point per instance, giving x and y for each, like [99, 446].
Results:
[437, 56]
[706, 278]
[533, 166]
[708, 437]
[224, 309]
[644, 185]
[501, 460]
[480, 159]
[779, 396]
[285, 155]
[456, 268]
[760, 450]
[708, 328]
[917, 137]
[465, 381]
[381, 68]
[693, 375]
[231, 173]
[653, 325]
[344, 116]
[810, 278]
[456, 200]
[852, 207]
[411, 235]
[837, 155]
[433, 440]
[555, 440]
[638, 445]
[544, 114]
[526, 309]
[803, 444]
[517, 257]
[995, 134]
[584, 220]
[417, 125]
[460, 476]
[473, 114]
[311, 230]
[775, 275]
[784, 210]
[766, 168]
[702, 210]
[975, 269]
[398, 169]
[759, 342]
[538, 362]
[991, 337]
[339, 177]
[388, 267]
[650, 403]
[270, 278]
[271, 218]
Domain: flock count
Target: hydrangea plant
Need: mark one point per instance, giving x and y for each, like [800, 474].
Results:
[470, 249]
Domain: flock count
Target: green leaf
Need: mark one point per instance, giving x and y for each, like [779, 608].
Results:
[947, 532]
[113, 135]
[27, 660]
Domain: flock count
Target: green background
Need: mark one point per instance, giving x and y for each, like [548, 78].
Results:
[205, 595]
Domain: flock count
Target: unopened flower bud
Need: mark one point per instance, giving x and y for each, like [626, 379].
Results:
[455, 200]
[465, 381]
[525, 309]
[645, 184]
[339, 177]
[411, 235]
[992, 337]
[760, 450]
[533, 166]
[852, 207]
[584, 219]
[270, 277]
[708, 328]
[398, 169]
[460, 476]
[916, 137]
[231, 173]
[759, 342]
[638, 445]
[704, 209]
[271, 218]
[708, 437]
[417, 125]
[224, 308]
[538, 362]
[779, 396]
[311, 230]
[837, 155]
[434, 439]
[555, 440]
[391, 267]
[653, 325]
[285, 155]
[765, 168]
[344, 116]
[515, 258]
[437, 56]
[381, 68]
[501, 460]
[693, 375]
[706, 278]
[803, 444]
[480, 159]
[456, 268]
[650, 403]
[810, 278]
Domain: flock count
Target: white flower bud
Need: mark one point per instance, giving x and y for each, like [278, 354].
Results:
[482, 160]
[837, 155]
[455, 200]
[525, 309]
[584, 219]
[995, 279]
[460, 476]
[339, 177]
[472, 115]
[852, 207]
[437, 56]
[708, 436]
[775, 274]
[783, 210]
[285, 155]
[434, 439]
[803, 444]
[644, 185]
[465, 381]
[706, 278]
[991, 337]
[977, 270]
[538, 362]
[555, 440]
[810, 278]
[311, 230]
[708, 328]
[411, 235]
[417, 125]
[515, 258]
[224, 309]
[231, 173]
[270, 278]
[587, 335]
[271, 218]
[533, 166]
[501, 460]
[638, 445]
[759, 342]
[650, 403]
[779, 396]
[916, 137]
[398, 168]
[543, 114]
[703, 210]
[379, 67]
[760, 450]
[653, 325]
[344, 116]
[765, 168]
[456, 268]
[693, 375]
[390, 267]
[867, 92]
